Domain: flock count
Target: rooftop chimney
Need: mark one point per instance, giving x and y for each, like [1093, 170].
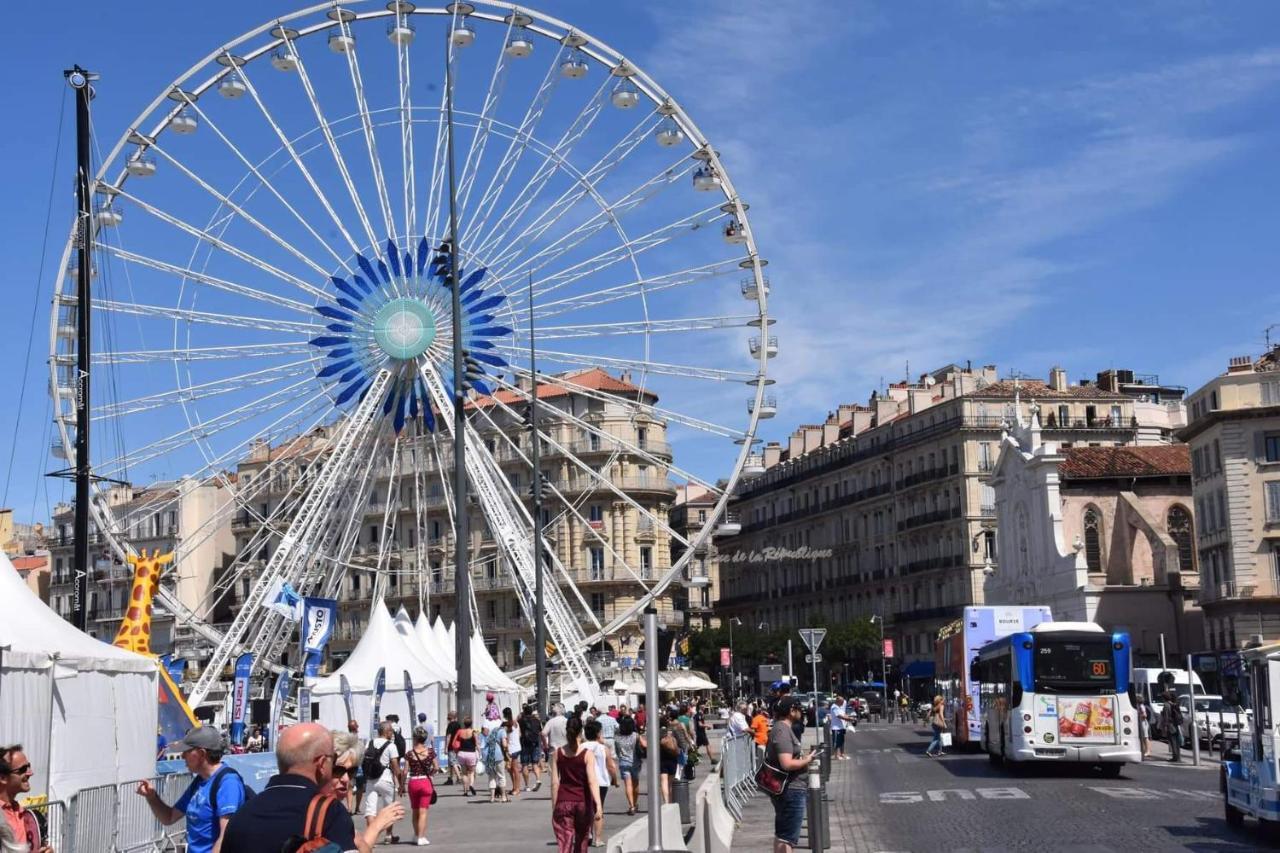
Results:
[1058, 379]
[1240, 364]
[772, 454]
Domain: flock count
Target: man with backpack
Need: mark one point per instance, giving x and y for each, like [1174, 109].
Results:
[530, 746]
[214, 795]
[304, 756]
[384, 779]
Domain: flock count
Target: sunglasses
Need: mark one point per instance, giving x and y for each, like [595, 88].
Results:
[21, 771]
[339, 770]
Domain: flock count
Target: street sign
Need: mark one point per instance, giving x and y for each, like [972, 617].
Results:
[769, 673]
[813, 658]
[725, 657]
[813, 637]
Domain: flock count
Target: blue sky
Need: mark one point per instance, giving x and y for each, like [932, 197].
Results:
[1026, 182]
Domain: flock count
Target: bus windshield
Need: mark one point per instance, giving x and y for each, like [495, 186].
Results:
[1072, 665]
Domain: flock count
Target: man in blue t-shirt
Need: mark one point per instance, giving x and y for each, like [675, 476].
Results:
[202, 751]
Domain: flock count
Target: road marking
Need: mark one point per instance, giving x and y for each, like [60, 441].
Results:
[939, 795]
[1132, 793]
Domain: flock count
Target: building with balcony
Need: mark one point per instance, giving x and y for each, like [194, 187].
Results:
[1099, 534]
[1234, 434]
[17, 538]
[182, 516]
[700, 584]
[596, 480]
[885, 507]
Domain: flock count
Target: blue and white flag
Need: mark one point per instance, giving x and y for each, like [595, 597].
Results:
[175, 666]
[240, 697]
[282, 598]
[310, 669]
[408, 695]
[521, 649]
[318, 618]
[379, 687]
[277, 705]
[345, 686]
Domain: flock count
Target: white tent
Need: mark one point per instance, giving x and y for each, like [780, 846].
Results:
[382, 646]
[430, 641]
[486, 677]
[85, 711]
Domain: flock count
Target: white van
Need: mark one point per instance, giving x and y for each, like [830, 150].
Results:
[1146, 683]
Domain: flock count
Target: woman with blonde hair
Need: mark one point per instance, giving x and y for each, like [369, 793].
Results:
[938, 722]
[347, 755]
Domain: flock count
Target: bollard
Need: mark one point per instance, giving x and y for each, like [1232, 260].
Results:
[680, 796]
[815, 811]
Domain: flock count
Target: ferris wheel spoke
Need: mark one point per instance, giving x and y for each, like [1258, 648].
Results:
[239, 210]
[516, 146]
[687, 371]
[219, 243]
[186, 273]
[206, 317]
[608, 439]
[640, 287]
[627, 250]
[484, 124]
[264, 181]
[222, 353]
[586, 187]
[206, 429]
[297, 160]
[487, 237]
[203, 391]
[362, 106]
[655, 411]
[404, 78]
[641, 327]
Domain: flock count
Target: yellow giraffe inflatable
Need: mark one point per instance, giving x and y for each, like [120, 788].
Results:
[135, 627]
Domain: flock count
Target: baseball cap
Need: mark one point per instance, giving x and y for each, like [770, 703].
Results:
[778, 685]
[786, 705]
[201, 737]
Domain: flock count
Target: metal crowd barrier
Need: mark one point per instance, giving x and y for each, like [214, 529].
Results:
[738, 763]
[114, 819]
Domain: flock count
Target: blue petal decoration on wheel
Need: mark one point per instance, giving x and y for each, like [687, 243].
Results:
[394, 313]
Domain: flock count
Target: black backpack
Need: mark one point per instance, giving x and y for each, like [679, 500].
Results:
[530, 733]
[371, 766]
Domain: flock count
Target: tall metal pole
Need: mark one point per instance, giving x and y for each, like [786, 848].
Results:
[539, 606]
[79, 79]
[461, 561]
[733, 664]
[653, 721]
[884, 671]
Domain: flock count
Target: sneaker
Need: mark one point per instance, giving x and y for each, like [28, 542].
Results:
[448, 782]
[422, 842]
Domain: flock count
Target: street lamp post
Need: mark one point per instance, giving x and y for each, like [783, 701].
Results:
[733, 661]
[884, 669]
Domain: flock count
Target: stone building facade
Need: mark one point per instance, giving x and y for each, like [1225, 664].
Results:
[1234, 433]
[1099, 534]
[885, 507]
[700, 584]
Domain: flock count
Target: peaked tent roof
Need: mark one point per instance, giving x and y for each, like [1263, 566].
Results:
[429, 641]
[380, 646]
[484, 671]
[404, 627]
[34, 633]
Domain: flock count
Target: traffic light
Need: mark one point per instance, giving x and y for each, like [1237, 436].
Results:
[473, 375]
[526, 419]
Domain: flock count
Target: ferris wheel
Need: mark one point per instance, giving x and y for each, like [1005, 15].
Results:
[270, 244]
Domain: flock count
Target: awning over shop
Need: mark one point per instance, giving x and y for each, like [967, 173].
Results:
[918, 669]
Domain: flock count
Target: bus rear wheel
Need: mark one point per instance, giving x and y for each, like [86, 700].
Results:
[991, 753]
[1111, 770]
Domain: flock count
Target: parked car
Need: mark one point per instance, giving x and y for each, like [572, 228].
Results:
[1214, 718]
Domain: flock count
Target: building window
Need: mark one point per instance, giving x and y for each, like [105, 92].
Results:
[597, 564]
[595, 512]
[1179, 526]
[1093, 539]
[597, 602]
[1271, 393]
[1271, 447]
[1273, 501]
[702, 515]
[646, 562]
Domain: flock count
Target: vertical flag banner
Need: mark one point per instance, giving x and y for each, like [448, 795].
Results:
[379, 687]
[277, 705]
[318, 618]
[346, 696]
[310, 669]
[240, 697]
[671, 657]
[284, 600]
[408, 695]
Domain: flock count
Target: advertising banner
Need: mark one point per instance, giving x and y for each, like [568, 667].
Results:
[345, 687]
[310, 669]
[277, 705]
[1084, 719]
[379, 687]
[318, 617]
[282, 599]
[726, 657]
[240, 697]
[888, 648]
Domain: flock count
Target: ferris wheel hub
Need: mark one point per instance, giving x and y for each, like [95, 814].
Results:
[404, 328]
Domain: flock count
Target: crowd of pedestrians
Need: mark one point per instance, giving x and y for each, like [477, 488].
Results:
[326, 779]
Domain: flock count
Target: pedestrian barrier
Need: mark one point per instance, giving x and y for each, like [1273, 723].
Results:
[634, 838]
[136, 828]
[52, 817]
[714, 826]
[737, 767]
[92, 819]
[114, 819]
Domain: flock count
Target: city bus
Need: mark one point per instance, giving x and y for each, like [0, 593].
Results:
[958, 646]
[1249, 780]
[1059, 692]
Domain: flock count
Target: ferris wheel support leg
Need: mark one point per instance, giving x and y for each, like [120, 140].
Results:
[513, 537]
[255, 628]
